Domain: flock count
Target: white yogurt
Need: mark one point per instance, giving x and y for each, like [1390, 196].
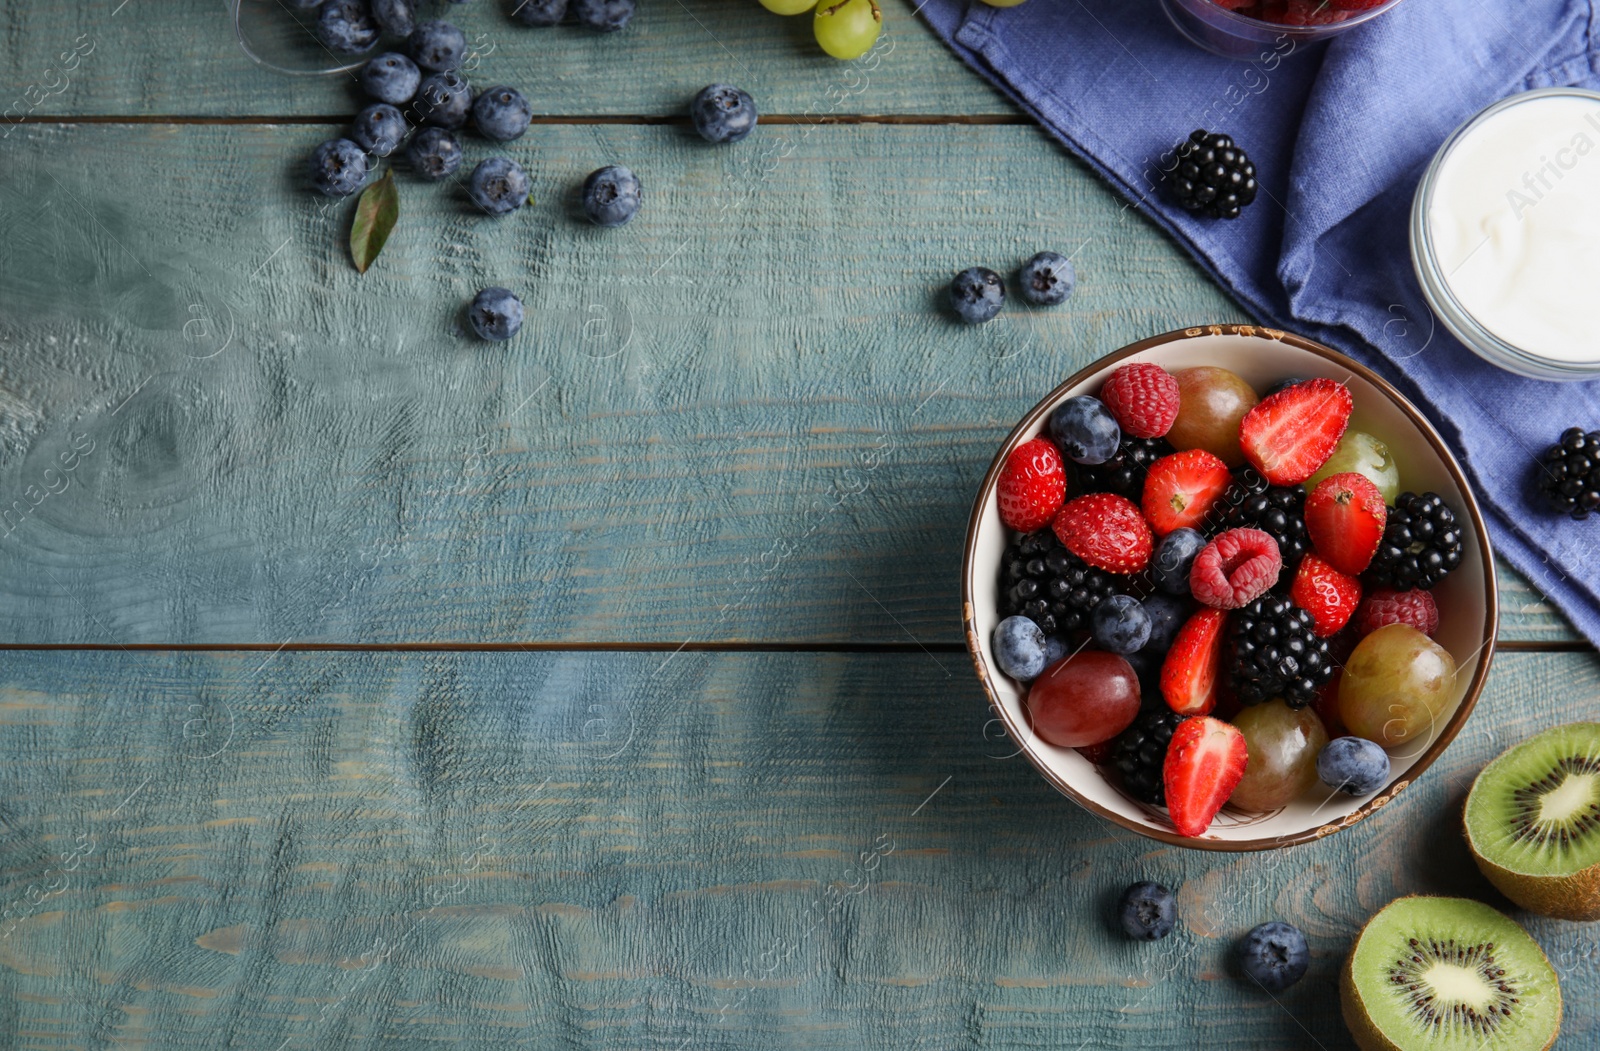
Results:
[1514, 220]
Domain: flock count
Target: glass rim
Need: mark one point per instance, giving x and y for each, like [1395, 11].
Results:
[1355, 19]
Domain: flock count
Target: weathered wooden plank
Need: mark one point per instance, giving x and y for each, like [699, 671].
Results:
[627, 850]
[181, 57]
[742, 417]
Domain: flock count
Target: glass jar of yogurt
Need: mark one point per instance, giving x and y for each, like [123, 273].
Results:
[1505, 234]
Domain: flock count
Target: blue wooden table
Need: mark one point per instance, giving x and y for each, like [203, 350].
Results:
[374, 687]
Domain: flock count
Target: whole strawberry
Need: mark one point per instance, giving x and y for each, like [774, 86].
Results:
[1032, 486]
[1331, 597]
[1387, 606]
[1180, 490]
[1107, 531]
[1345, 516]
[1142, 398]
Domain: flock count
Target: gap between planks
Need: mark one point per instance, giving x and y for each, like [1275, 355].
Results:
[1507, 646]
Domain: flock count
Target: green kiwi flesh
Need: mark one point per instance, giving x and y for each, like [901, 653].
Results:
[1442, 974]
[1533, 822]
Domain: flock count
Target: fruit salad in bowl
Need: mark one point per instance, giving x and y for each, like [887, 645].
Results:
[1227, 588]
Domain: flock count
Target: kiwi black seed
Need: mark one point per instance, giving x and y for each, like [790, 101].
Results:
[1533, 822]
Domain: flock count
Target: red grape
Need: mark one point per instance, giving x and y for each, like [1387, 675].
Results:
[1084, 699]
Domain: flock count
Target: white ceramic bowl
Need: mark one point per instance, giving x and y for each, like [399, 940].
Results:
[1467, 599]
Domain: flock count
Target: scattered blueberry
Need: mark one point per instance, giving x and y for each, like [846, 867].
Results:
[346, 27]
[1055, 647]
[501, 113]
[379, 129]
[977, 294]
[607, 16]
[1019, 648]
[395, 17]
[1353, 765]
[1173, 558]
[1275, 955]
[391, 78]
[437, 46]
[496, 314]
[443, 99]
[611, 196]
[1120, 624]
[1047, 279]
[723, 113]
[539, 12]
[434, 153]
[338, 167]
[1283, 385]
[1167, 614]
[1147, 911]
[1085, 430]
[498, 185]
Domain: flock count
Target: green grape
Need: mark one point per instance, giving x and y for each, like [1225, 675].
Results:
[1366, 456]
[1398, 688]
[788, 7]
[1283, 744]
[847, 28]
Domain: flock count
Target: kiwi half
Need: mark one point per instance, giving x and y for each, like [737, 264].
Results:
[1533, 822]
[1441, 974]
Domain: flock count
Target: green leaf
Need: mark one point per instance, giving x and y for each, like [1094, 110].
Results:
[376, 213]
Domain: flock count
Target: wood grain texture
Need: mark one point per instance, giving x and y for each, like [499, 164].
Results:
[626, 851]
[181, 57]
[745, 416]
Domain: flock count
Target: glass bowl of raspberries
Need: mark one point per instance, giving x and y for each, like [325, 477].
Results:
[1229, 589]
[1267, 30]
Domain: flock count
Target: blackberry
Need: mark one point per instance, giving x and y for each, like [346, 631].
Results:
[1046, 583]
[1124, 473]
[1279, 511]
[1570, 476]
[1141, 751]
[1421, 543]
[1214, 177]
[1276, 653]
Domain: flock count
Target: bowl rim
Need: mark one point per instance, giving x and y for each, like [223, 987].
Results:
[1029, 424]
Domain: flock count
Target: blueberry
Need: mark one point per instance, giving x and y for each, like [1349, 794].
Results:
[346, 27]
[1055, 647]
[391, 78]
[498, 185]
[1047, 279]
[607, 16]
[976, 294]
[501, 113]
[443, 100]
[379, 129]
[1147, 911]
[611, 196]
[1146, 665]
[1085, 430]
[539, 12]
[1120, 624]
[1167, 615]
[437, 46]
[434, 153]
[1274, 955]
[1353, 765]
[723, 113]
[395, 17]
[1173, 558]
[338, 167]
[1283, 385]
[496, 314]
[1019, 648]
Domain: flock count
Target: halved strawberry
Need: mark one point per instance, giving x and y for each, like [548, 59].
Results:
[1193, 665]
[1204, 764]
[1032, 485]
[1345, 516]
[1290, 434]
[1331, 597]
[1107, 531]
[1180, 489]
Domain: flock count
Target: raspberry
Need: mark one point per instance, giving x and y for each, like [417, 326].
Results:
[1235, 569]
[1032, 486]
[1387, 606]
[1143, 398]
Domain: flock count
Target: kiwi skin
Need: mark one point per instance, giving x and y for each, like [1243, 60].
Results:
[1367, 1036]
[1571, 897]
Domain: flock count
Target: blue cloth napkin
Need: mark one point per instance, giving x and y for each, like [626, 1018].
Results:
[1340, 134]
